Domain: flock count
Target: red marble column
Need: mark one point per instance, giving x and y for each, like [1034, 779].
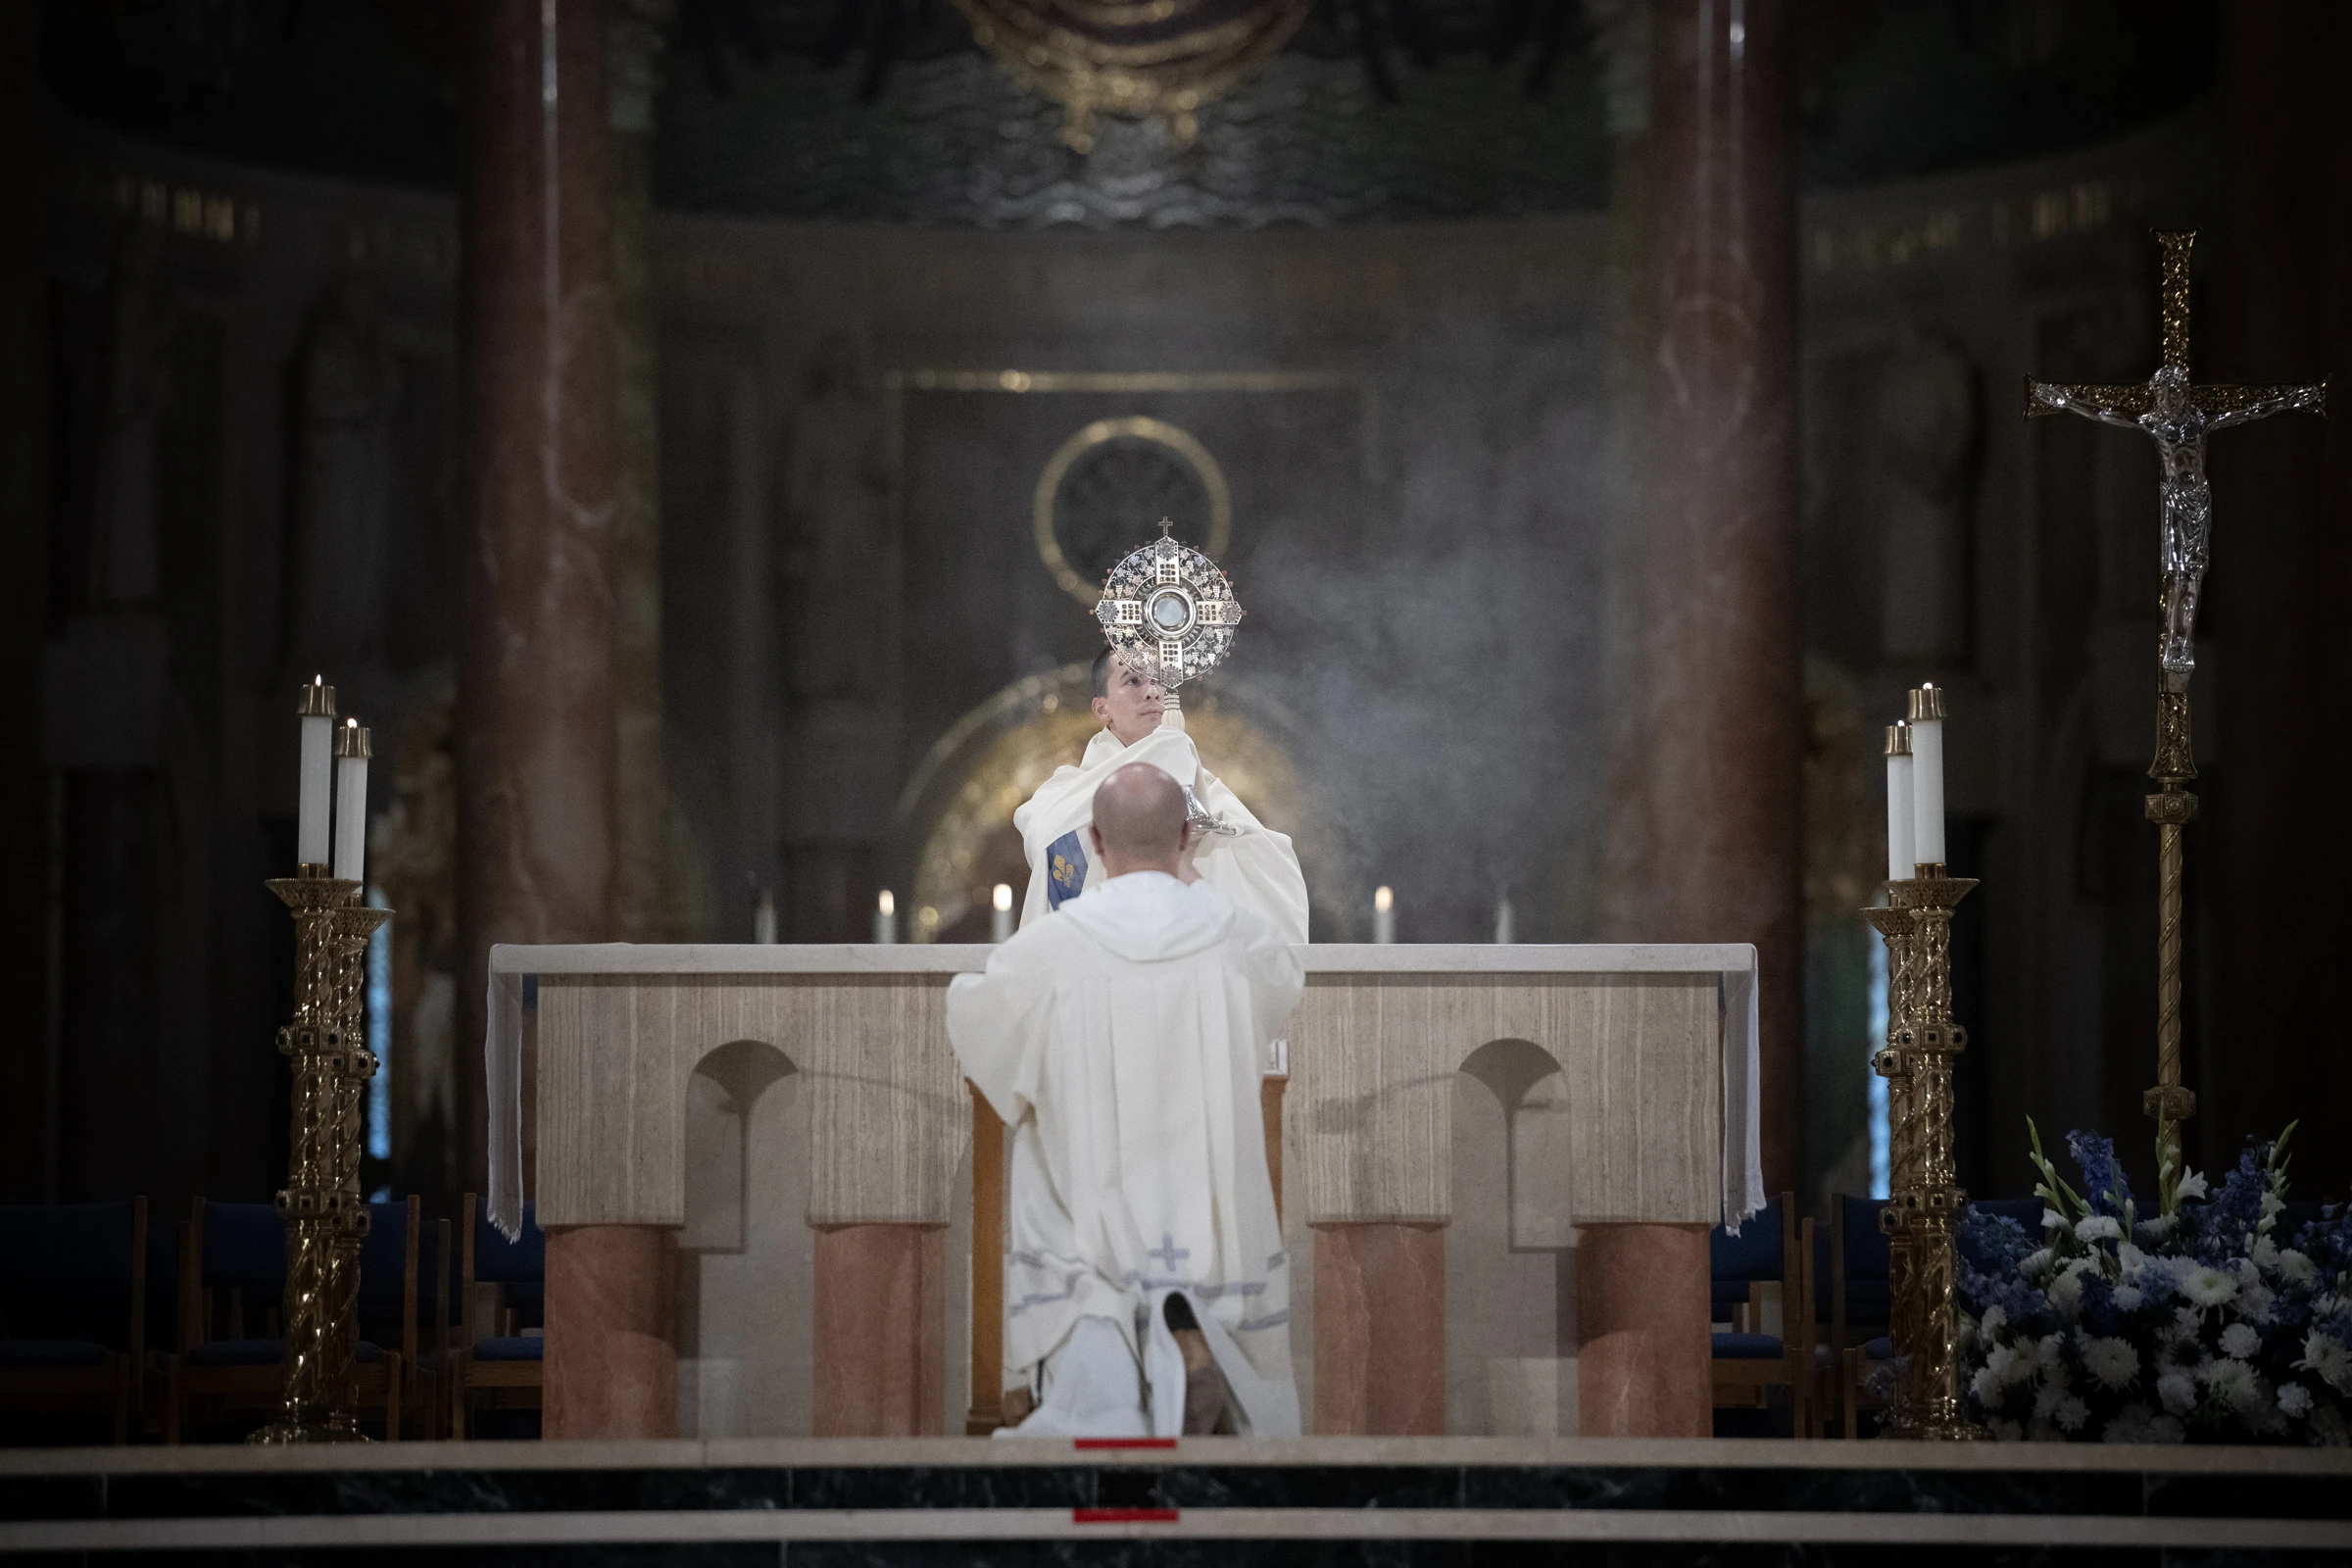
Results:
[881, 1331]
[1642, 1312]
[612, 1332]
[1707, 679]
[1380, 1330]
[535, 731]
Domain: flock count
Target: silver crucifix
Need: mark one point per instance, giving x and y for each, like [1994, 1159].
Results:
[2178, 416]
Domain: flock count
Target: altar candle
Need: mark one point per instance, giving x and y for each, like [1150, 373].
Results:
[351, 801]
[1506, 919]
[886, 919]
[764, 919]
[1927, 774]
[1901, 835]
[1000, 921]
[318, 710]
[1384, 915]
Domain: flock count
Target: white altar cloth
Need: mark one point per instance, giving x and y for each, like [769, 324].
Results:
[1733, 964]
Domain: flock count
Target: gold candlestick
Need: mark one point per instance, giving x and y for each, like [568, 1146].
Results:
[325, 1213]
[1924, 1199]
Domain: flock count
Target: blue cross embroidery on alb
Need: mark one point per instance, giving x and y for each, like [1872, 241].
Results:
[1065, 869]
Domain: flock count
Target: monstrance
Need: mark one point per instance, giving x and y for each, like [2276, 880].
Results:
[1169, 610]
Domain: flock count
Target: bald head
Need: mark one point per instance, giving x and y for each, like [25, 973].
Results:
[1139, 821]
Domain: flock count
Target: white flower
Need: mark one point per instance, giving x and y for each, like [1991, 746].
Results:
[2165, 1429]
[2179, 1392]
[2230, 1382]
[2190, 1185]
[2272, 1204]
[2127, 1298]
[2066, 1290]
[2240, 1340]
[2098, 1227]
[2005, 1366]
[2324, 1356]
[2207, 1287]
[2264, 1253]
[2112, 1362]
[2157, 1229]
[2036, 1264]
[2070, 1413]
[2132, 1261]
[2048, 1399]
[2254, 1302]
[2296, 1267]
[1990, 1324]
[2050, 1351]
[1987, 1387]
[2052, 1220]
[2295, 1399]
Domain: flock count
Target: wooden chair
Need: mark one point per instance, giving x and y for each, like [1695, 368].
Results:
[392, 1296]
[1860, 1306]
[232, 1263]
[429, 1386]
[74, 1285]
[501, 1291]
[1772, 1247]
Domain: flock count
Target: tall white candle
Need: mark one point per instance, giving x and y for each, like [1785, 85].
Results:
[1901, 835]
[1000, 915]
[886, 918]
[317, 706]
[1927, 774]
[1384, 915]
[764, 919]
[1506, 922]
[351, 801]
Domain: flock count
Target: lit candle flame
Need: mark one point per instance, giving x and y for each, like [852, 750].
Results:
[1383, 899]
[889, 905]
[1003, 897]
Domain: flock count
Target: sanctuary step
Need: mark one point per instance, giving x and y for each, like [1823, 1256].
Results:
[1316, 1499]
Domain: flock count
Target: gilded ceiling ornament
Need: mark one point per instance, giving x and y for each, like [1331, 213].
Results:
[1133, 57]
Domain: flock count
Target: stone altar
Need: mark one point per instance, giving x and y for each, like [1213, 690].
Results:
[1633, 1130]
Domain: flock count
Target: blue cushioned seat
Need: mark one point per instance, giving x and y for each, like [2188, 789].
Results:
[51, 1352]
[1881, 1349]
[1747, 1347]
[512, 1348]
[2026, 1211]
[1736, 1262]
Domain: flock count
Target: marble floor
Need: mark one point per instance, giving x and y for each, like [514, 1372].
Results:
[1226, 1501]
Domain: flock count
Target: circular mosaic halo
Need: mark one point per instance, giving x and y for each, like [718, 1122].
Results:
[1170, 609]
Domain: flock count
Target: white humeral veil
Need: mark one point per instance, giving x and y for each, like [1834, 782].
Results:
[1119, 1039]
[1256, 867]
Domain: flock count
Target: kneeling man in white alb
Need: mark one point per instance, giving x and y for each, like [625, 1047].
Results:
[1145, 1288]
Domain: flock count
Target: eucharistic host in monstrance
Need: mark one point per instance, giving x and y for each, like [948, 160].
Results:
[1168, 615]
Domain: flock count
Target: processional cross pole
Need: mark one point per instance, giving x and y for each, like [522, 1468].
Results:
[2177, 415]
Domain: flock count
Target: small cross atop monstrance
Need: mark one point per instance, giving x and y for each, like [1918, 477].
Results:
[1169, 610]
[2177, 415]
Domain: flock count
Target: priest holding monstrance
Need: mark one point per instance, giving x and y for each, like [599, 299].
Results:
[1167, 614]
[1119, 1034]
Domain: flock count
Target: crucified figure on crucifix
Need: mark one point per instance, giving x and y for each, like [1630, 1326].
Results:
[2178, 416]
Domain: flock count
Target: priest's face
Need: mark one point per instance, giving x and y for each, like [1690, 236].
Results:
[1130, 706]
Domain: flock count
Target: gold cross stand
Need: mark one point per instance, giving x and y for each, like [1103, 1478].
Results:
[2178, 416]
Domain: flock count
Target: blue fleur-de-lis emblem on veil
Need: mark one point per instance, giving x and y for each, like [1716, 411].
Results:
[1065, 869]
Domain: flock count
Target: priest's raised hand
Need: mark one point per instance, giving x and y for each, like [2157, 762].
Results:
[1120, 1036]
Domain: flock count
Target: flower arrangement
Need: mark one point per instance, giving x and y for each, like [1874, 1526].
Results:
[2200, 1324]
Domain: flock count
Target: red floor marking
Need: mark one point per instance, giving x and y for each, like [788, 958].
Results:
[1123, 1516]
[1124, 1442]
